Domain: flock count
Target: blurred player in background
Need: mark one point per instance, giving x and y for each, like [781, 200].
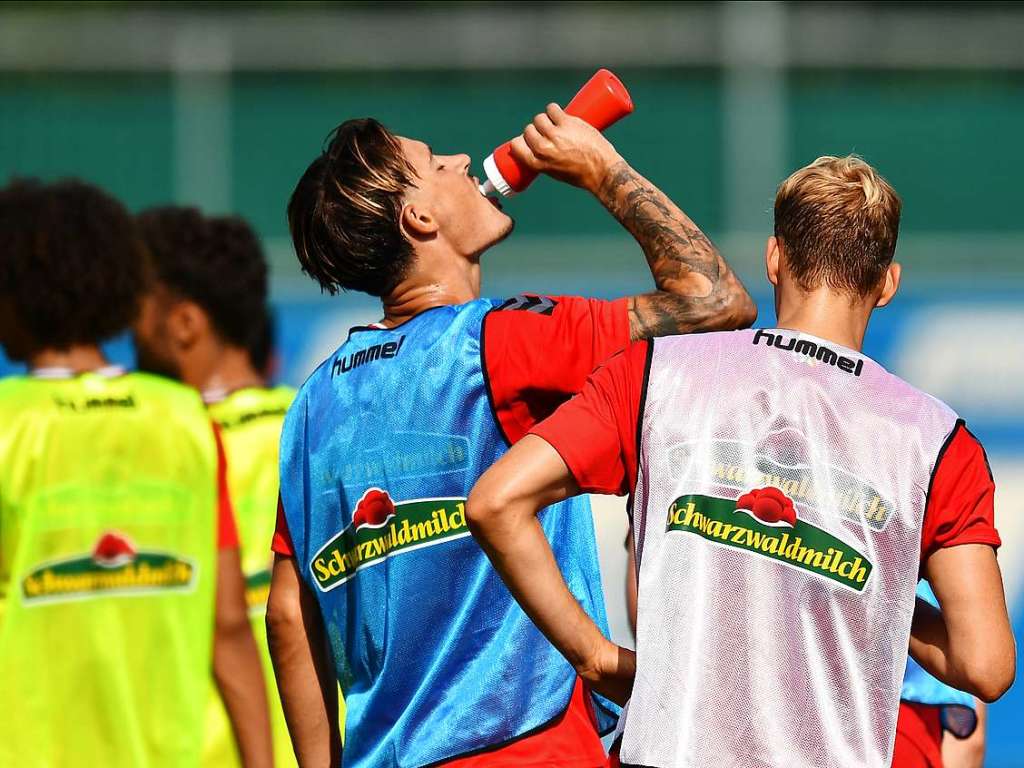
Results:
[386, 438]
[120, 582]
[771, 634]
[205, 322]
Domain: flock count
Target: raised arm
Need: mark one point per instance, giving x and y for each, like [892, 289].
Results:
[696, 289]
[302, 667]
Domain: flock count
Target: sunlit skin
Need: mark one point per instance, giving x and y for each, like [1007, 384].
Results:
[174, 337]
[450, 225]
[823, 312]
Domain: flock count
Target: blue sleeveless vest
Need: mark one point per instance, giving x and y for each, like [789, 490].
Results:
[378, 453]
[958, 715]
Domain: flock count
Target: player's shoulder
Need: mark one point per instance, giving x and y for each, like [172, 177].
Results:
[902, 398]
[156, 392]
[535, 304]
[711, 339]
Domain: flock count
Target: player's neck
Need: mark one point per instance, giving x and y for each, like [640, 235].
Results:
[217, 369]
[77, 358]
[826, 315]
[433, 282]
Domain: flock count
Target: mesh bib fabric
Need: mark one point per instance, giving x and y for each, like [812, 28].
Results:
[378, 454]
[107, 571]
[773, 627]
[250, 427]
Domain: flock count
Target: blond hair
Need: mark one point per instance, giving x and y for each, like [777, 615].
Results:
[837, 220]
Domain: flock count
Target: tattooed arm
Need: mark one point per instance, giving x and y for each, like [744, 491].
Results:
[697, 291]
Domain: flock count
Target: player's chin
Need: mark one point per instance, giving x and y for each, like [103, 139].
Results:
[507, 226]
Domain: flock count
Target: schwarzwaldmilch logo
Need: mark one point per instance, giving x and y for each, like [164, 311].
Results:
[769, 506]
[765, 522]
[113, 567]
[382, 528]
[112, 551]
[374, 509]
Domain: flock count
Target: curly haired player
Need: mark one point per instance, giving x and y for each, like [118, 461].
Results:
[120, 585]
[205, 322]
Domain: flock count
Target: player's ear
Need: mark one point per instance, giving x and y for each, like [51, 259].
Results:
[890, 284]
[771, 260]
[417, 222]
[186, 322]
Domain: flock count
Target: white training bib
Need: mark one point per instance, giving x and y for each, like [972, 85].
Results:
[782, 486]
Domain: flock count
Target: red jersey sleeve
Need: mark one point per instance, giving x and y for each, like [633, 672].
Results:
[538, 350]
[227, 532]
[282, 541]
[595, 433]
[959, 507]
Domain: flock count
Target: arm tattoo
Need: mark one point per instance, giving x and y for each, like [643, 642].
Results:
[694, 282]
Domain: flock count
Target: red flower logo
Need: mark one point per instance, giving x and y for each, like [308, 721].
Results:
[769, 505]
[374, 509]
[113, 550]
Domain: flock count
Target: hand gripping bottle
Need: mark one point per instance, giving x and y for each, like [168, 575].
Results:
[603, 101]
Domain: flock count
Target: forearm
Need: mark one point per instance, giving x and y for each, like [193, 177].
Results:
[237, 671]
[955, 663]
[516, 545]
[696, 288]
[970, 644]
[305, 677]
[929, 644]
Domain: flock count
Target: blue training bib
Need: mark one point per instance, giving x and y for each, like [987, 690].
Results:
[378, 454]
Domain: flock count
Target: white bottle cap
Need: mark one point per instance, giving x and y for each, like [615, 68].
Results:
[487, 188]
[494, 177]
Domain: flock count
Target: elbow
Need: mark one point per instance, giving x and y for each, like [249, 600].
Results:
[745, 312]
[283, 618]
[989, 675]
[740, 311]
[484, 509]
[729, 308]
[480, 511]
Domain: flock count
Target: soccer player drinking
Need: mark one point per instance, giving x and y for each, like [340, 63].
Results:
[385, 439]
[120, 584]
[786, 492]
[205, 322]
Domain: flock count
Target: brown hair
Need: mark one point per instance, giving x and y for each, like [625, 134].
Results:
[344, 212]
[838, 221]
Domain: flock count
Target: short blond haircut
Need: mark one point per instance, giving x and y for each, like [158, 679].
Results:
[838, 221]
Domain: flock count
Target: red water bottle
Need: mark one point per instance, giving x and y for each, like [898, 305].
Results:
[603, 101]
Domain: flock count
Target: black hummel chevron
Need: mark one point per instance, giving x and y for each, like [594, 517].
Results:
[542, 305]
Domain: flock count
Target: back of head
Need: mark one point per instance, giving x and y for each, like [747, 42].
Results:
[71, 264]
[344, 213]
[837, 220]
[216, 262]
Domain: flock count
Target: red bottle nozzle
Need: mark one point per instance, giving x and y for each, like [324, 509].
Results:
[602, 101]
